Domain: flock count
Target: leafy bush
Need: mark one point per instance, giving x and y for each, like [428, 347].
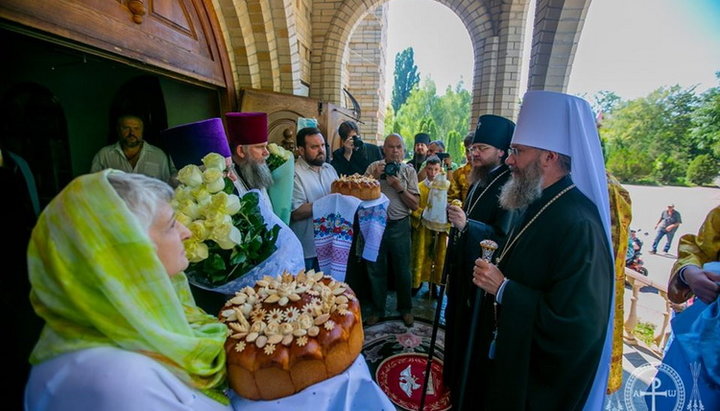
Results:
[645, 332]
[703, 169]
[668, 170]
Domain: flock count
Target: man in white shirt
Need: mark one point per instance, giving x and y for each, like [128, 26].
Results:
[132, 154]
[313, 177]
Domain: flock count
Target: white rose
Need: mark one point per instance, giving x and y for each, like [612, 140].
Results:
[182, 192]
[213, 179]
[215, 161]
[190, 175]
[202, 195]
[189, 208]
[183, 219]
[199, 230]
[226, 236]
[195, 251]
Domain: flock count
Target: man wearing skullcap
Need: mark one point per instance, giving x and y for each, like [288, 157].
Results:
[549, 341]
[419, 150]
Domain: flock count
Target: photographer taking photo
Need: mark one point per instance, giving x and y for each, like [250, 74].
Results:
[354, 155]
[398, 181]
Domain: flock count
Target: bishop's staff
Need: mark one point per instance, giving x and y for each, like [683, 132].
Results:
[441, 295]
[488, 249]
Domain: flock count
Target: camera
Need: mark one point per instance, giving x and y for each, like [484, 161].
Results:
[442, 156]
[357, 142]
[391, 169]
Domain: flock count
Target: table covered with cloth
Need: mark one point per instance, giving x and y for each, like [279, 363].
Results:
[352, 389]
[333, 218]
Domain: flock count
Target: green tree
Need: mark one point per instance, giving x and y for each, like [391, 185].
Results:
[455, 146]
[703, 169]
[406, 77]
[605, 101]
[705, 130]
[449, 112]
[417, 107]
[656, 128]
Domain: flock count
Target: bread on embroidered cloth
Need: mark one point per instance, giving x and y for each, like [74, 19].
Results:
[362, 187]
[290, 332]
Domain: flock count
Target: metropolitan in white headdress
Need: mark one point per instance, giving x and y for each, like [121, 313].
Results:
[566, 124]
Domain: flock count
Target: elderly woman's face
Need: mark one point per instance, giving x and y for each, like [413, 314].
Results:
[168, 234]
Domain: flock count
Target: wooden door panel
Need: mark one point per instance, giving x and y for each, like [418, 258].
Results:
[175, 35]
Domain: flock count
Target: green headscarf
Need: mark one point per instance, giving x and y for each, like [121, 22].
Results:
[97, 281]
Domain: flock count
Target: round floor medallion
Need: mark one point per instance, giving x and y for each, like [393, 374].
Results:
[401, 377]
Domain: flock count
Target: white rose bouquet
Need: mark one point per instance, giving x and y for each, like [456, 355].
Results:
[229, 236]
[278, 156]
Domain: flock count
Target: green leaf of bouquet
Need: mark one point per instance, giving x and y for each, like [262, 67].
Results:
[229, 186]
[214, 263]
[238, 257]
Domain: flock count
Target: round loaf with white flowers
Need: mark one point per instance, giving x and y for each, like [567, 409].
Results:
[290, 332]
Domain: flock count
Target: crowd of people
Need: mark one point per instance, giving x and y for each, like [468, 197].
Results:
[529, 327]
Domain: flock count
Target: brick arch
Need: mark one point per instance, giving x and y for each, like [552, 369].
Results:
[262, 43]
[557, 28]
[487, 23]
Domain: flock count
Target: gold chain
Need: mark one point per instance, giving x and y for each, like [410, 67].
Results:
[511, 243]
[467, 213]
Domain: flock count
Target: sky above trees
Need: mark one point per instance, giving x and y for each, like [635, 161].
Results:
[629, 47]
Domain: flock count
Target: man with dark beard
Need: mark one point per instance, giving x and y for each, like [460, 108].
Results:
[549, 345]
[313, 178]
[480, 218]
[248, 136]
[419, 150]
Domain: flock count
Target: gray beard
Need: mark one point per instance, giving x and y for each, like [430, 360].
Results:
[255, 175]
[522, 189]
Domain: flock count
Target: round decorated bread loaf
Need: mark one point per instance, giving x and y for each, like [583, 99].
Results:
[290, 332]
[362, 187]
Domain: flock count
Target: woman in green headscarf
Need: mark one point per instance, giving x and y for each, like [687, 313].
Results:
[122, 331]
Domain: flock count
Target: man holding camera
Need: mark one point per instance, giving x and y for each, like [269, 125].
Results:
[398, 181]
[355, 155]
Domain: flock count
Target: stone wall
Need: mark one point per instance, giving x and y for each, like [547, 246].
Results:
[364, 76]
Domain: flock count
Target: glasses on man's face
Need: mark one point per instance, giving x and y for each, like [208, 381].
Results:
[480, 148]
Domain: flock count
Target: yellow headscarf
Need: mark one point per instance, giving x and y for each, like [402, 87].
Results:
[97, 281]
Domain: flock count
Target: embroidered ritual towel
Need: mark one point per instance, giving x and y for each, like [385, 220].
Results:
[372, 216]
[333, 217]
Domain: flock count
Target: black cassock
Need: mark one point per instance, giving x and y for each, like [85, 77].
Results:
[486, 220]
[554, 313]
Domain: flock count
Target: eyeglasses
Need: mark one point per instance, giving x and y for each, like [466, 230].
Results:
[514, 151]
[480, 148]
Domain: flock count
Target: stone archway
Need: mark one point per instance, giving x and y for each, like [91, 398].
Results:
[263, 40]
[496, 30]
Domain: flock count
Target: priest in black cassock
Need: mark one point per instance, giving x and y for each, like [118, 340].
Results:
[553, 278]
[480, 218]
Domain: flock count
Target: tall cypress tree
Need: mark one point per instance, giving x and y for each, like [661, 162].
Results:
[406, 77]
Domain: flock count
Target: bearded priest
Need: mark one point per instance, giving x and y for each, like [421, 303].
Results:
[553, 279]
